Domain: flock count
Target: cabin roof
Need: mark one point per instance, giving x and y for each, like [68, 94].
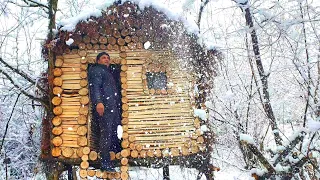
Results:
[69, 24]
[155, 25]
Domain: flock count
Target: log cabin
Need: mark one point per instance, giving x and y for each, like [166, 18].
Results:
[163, 77]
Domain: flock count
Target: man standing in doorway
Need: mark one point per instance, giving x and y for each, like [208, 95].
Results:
[105, 108]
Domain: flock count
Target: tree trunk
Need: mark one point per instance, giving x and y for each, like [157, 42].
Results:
[263, 77]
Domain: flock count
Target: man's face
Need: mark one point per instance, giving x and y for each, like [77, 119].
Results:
[105, 60]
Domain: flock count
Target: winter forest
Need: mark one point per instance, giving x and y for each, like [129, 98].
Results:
[263, 107]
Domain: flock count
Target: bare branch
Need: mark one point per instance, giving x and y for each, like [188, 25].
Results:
[203, 5]
[260, 156]
[288, 149]
[32, 3]
[23, 74]
[23, 91]
[7, 125]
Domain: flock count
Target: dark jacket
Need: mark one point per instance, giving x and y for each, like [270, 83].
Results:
[103, 89]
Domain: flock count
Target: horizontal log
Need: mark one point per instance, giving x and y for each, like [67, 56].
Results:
[180, 137]
[134, 82]
[143, 58]
[69, 115]
[134, 90]
[133, 71]
[161, 146]
[69, 132]
[135, 87]
[156, 103]
[71, 56]
[158, 97]
[70, 107]
[132, 79]
[160, 121]
[69, 138]
[133, 74]
[139, 53]
[160, 118]
[142, 107]
[182, 115]
[171, 112]
[71, 69]
[70, 127]
[71, 86]
[161, 133]
[71, 65]
[134, 67]
[67, 93]
[137, 128]
[72, 60]
[71, 77]
[77, 81]
[135, 61]
[70, 103]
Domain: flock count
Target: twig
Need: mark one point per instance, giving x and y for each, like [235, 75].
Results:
[23, 74]
[288, 149]
[23, 91]
[203, 5]
[7, 125]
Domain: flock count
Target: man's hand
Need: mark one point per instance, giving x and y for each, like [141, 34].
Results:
[100, 109]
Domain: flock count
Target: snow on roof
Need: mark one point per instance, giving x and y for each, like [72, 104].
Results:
[70, 23]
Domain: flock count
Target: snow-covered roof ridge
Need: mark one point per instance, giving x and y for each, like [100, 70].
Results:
[70, 23]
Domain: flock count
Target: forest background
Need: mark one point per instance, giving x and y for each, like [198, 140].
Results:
[267, 82]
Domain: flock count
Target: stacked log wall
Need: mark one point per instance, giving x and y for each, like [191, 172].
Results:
[155, 122]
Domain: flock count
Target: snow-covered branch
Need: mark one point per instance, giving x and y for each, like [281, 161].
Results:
[23, 74]
[21, 89]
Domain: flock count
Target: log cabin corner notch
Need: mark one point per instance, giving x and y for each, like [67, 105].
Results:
[159, 65]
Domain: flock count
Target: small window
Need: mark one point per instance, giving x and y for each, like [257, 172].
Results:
[157, 80]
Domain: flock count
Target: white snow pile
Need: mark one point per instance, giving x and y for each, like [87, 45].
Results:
[259, 172]
[70, 23]
[201, 113]
[70, 41]
[209, 104]
[147, 45]
[203, 128]
[247, 138]
[119, 131]
[281, 168]
[313, 125]
[229, 96]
